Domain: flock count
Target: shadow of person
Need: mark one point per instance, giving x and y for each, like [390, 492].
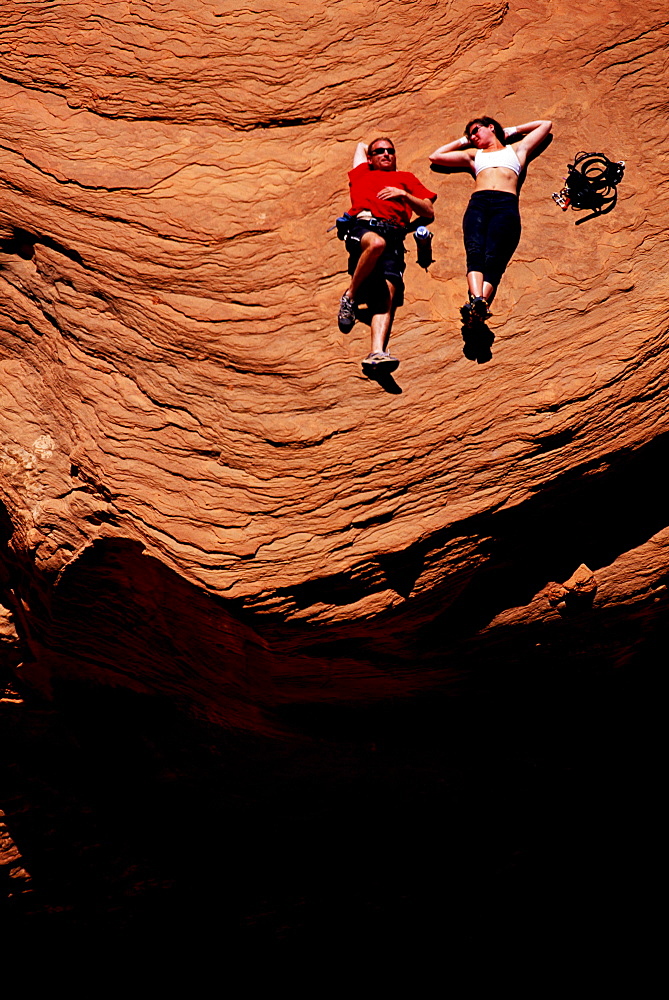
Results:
[541, 148]
[441, 168]
[478, 339]
[380, 374]
[363, 314]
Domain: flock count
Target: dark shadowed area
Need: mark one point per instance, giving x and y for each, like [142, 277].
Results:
[514, 812]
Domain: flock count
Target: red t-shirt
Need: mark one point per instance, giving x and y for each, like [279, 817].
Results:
[365, 183]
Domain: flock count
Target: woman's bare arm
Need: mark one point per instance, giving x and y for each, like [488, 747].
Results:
[534, 133]
[454, 154]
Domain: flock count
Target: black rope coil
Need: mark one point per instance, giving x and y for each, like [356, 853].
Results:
[591, 185]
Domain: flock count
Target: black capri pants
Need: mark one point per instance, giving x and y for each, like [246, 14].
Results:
[491, 229]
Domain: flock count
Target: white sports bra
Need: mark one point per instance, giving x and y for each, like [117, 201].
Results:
[496, 158]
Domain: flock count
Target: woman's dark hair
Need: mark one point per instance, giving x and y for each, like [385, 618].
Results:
[499, 131]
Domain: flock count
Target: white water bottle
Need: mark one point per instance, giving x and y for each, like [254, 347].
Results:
[423, 238]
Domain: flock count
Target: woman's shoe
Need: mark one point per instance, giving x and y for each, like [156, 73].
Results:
[466, 314]
[480, 309]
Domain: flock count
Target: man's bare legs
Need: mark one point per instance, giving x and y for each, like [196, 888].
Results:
[373, 246]
[383, 310]
[382, 322]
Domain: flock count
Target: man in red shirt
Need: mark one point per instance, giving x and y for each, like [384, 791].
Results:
[382, 202]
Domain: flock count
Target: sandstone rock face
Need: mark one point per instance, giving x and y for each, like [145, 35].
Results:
[203, 495]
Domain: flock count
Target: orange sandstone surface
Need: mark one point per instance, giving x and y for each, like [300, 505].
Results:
[203, 494]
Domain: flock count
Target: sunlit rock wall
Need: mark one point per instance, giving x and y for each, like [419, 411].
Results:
[204, 494]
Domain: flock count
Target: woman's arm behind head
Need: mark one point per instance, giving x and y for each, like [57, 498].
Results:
[535, 133]
[453, 155]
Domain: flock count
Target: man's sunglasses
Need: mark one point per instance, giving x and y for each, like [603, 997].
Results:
[383, 149]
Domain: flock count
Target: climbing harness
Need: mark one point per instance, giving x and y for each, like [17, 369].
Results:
[384, 226]
[422, 235]
[590, 185]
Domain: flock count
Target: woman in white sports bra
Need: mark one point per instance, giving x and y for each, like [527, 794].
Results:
[491, 224]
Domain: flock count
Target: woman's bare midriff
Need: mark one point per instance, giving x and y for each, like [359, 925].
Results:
[497, 179]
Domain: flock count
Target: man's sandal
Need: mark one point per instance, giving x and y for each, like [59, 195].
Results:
[380, 361]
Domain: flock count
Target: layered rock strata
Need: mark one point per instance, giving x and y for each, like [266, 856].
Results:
[203, 495]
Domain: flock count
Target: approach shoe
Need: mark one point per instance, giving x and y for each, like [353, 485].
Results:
[346, 317]
[466, 314]
[480, 310]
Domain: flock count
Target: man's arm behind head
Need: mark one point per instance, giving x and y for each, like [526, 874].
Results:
[360, 155]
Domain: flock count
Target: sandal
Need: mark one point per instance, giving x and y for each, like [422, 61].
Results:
[381, 359]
